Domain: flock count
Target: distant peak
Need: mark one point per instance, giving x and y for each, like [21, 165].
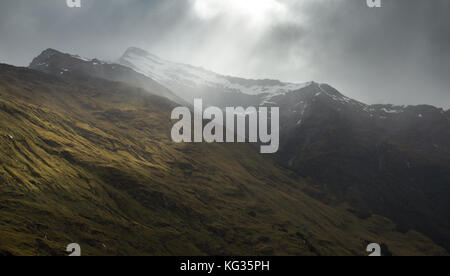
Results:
[136, 51]
[314, 85]
[139, 52]
[44, 57]
[311, 84]
[52, 57]
[49, 52]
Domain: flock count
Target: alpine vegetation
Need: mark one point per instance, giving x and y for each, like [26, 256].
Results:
[230, 128]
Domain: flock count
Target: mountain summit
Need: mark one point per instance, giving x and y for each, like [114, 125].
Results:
[61, 64]
[191, 82]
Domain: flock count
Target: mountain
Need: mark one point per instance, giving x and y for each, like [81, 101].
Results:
[57, 63]
[191, 82]
[90, 161]
[381, 159]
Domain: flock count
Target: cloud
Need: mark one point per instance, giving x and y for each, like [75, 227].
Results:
[399, 53]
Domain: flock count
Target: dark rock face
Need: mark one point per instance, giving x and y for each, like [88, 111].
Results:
[382, 159]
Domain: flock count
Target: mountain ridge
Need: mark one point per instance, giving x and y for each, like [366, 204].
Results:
[191, 82]
[58, 63]
[126, 60]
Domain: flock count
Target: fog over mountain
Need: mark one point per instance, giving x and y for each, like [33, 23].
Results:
[399, 53]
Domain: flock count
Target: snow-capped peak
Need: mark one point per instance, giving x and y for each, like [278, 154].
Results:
[183, 78]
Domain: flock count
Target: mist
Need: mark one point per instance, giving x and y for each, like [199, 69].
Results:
[398, 54]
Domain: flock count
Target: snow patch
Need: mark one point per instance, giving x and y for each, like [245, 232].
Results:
[174, 74]
[391, 111]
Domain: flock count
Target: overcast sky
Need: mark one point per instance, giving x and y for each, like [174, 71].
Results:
[399, 53]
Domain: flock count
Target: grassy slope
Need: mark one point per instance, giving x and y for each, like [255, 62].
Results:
[91, 162]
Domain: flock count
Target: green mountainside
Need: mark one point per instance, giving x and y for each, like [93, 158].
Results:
[91, 161]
